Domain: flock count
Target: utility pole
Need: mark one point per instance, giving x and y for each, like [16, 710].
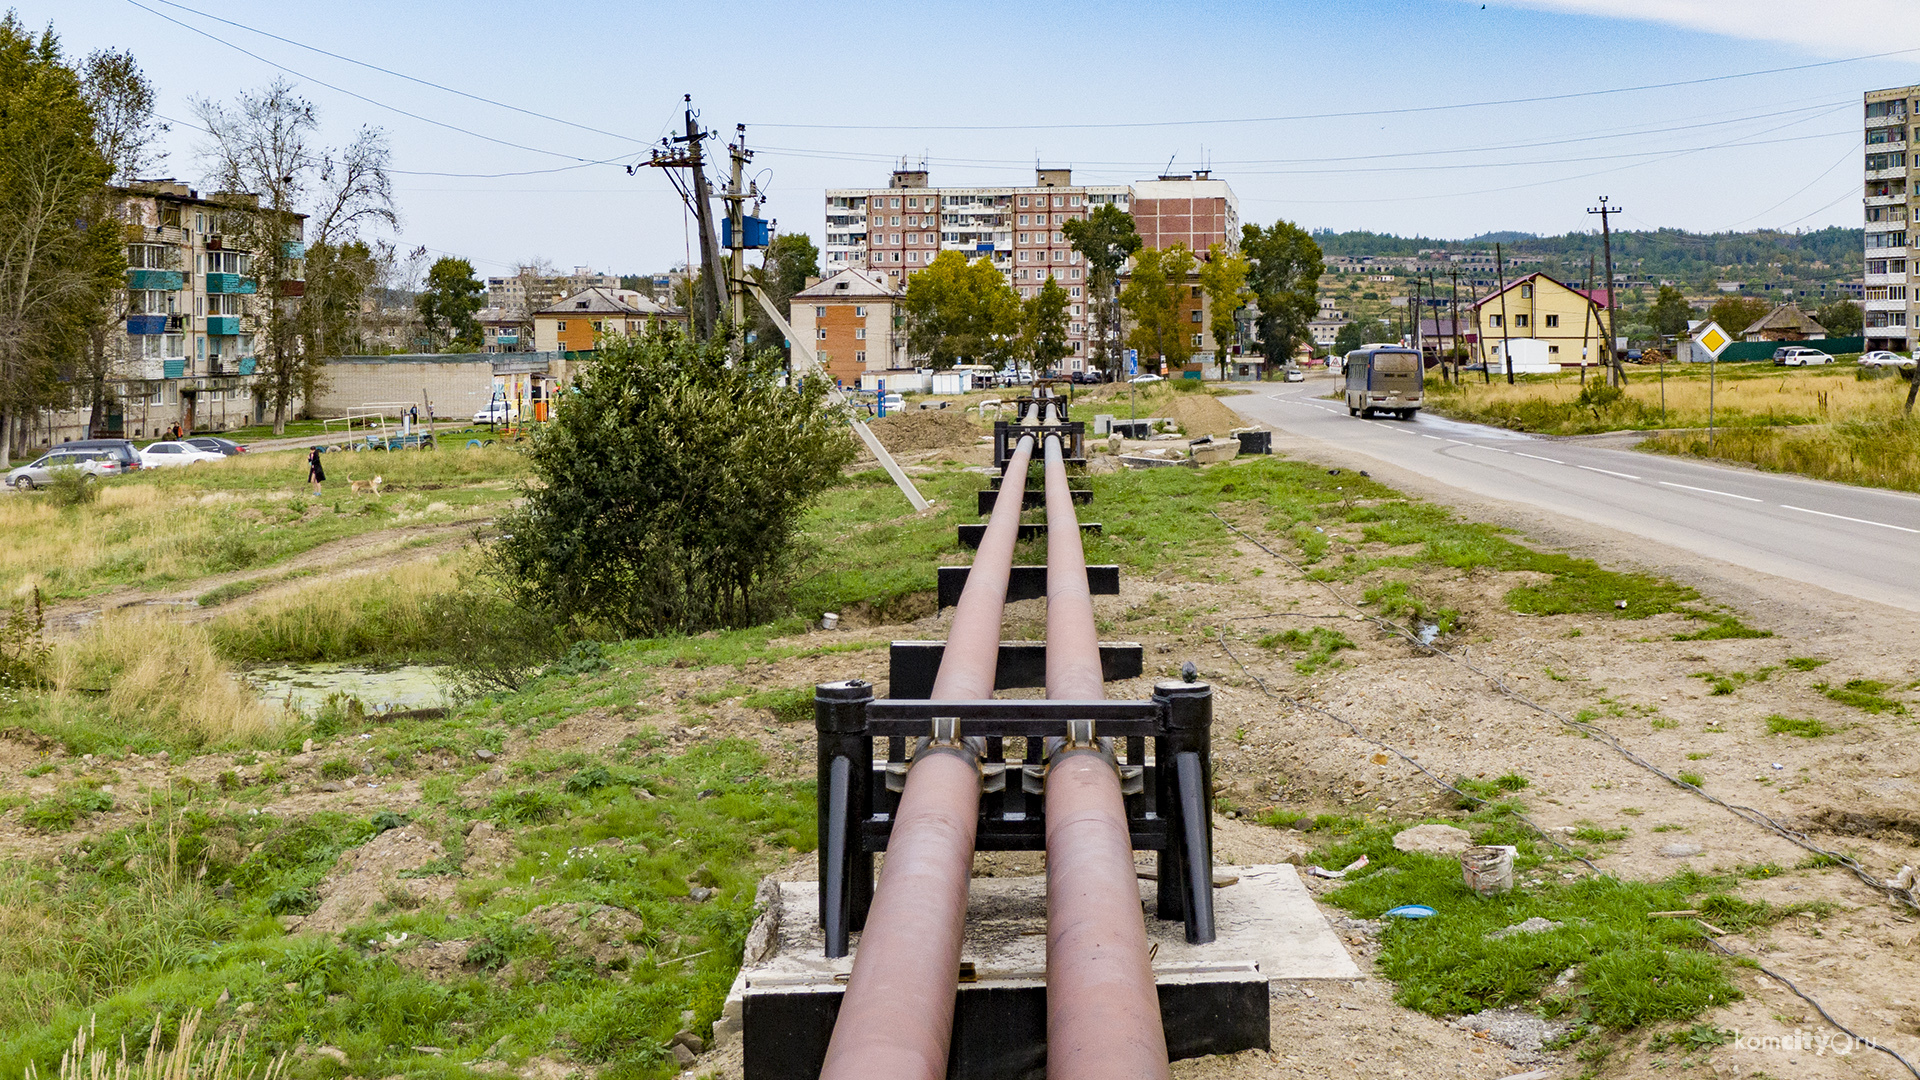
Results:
[1453, 308]
[1473, 301]
[737, 225]
[706, 313]
[1506, 342]
[1616, 374]
[1586, 325]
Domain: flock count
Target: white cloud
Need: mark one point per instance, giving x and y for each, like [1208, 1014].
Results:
[1834, 28]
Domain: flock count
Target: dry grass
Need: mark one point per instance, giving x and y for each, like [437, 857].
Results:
[190, 1058]
[1879, 452]
[144, 673]
[181, 524]
[1743, 396]
[386, 613]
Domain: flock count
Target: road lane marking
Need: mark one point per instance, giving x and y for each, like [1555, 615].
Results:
[1435, 438]
[1537, 457]
[1609, 472]
[1855, 520]
[1710, 491]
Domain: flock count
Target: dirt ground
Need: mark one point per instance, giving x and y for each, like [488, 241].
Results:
[1857, 789]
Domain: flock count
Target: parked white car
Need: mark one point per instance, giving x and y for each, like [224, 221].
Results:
[1795, 356]
[1142, 380]
[1883, 358]
[495, 412]
[90, 463]
[162, 455]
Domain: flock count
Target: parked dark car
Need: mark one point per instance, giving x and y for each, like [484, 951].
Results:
[121, 449]
[226, 447]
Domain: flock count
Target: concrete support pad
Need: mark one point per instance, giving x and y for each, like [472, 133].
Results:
[1213, 998]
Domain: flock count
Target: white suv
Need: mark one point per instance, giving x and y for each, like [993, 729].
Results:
[1791, 356]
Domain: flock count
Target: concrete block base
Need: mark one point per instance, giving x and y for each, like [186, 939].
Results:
[1213, 998]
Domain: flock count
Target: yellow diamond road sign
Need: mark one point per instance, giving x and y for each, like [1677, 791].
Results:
[1714, 340]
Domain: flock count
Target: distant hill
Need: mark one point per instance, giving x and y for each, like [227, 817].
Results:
[1698, 259]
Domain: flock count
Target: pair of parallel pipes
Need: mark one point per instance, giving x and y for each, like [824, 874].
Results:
[1103, 1012]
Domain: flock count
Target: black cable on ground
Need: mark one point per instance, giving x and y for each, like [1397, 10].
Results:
[1745, 813]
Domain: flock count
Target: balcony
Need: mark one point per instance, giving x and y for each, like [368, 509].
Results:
[223, 325]
[231, 284]
[154, 368]
[290, 288]
[179, 323]
[293, 249]
[174, 368]
[1895, 172]
[145, 325]
[247, 365]
[506, 339]
[155, 280]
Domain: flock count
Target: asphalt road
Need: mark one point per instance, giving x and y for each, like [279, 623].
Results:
[1859, 541]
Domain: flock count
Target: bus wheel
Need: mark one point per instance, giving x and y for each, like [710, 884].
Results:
[1351, 411]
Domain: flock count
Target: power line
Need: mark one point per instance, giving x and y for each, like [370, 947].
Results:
[1844, 158]
[390, 71]
[1413, 110]
[352, 94]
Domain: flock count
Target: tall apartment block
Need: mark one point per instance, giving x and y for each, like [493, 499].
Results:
[1887, 303]
[183, 352]
[894, 231]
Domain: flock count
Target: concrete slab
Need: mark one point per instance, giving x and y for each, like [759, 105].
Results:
[1267, 924]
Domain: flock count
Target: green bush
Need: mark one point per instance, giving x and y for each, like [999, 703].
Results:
[73, 487]
[669, 489]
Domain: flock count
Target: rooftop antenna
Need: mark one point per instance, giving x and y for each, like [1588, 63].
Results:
[1168, 171]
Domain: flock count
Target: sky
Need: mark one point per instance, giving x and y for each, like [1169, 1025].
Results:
[1440, 118]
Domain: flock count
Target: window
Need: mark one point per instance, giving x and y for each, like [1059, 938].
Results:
[1073, 200]
[911, 203]
[1526, 293]
[913, 256]
[895, 205]
[561, 326]
[1059, 200]
[1074, 292]
[1553, 348]
[597, 326]
[860, 357]
[913, 238]
[1023, 256]
[819, 312]
[860, 312]
[1076, 308]
[1196, 339]
[1194, 315]
[929, 238]
[1075, 275]
[1519, 321]
[1876, 266]
[820, 333]
[860, 333]
[1023, 202]
[1493, 320]
[1886, 240]
[1023, 221]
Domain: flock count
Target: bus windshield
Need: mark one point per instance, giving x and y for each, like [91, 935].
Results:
[1395, 363]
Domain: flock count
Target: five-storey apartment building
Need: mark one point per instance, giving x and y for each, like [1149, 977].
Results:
[894, 231]
[1887, 302]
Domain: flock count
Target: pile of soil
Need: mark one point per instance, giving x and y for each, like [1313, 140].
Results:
[1202, 414]
[369, 874]
[925, 429]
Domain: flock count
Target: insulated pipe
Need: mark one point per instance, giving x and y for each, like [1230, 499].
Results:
[1103, 1012]
[896, 1020]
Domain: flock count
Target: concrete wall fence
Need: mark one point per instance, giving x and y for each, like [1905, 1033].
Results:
[452, 384]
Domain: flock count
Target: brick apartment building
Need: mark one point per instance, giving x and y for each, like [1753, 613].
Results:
[851, 321]
[894, 231]
[577, 322]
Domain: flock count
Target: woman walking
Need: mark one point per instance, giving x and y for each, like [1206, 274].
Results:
[316, 473]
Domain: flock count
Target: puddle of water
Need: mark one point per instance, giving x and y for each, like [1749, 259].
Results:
[1428, 631]
[408, 686]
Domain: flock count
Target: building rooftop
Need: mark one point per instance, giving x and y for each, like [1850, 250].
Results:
[603, 301]
[850, 284]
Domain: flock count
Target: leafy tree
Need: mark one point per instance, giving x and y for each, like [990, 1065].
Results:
[786, 264]
[1736, 313]
[669, 489]
[1670, 312]
[1152, 298]
[1285, 280]
[122, 101]
[1223, 277]
[961, 311]
[337, 277]
[447, 304]
[1106, 238]
[1842, 318]
[1043, 327]
[1351, 336]
[61, 251]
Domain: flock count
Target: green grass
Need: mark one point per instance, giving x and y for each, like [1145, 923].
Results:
[1804, 663]
[61, 812]
[1319, 644]
[790, 706]
[1867, 694]
[1806, 728]
[1726, 684]
[1693, 778]
[1397, 598]
[1634, 970]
